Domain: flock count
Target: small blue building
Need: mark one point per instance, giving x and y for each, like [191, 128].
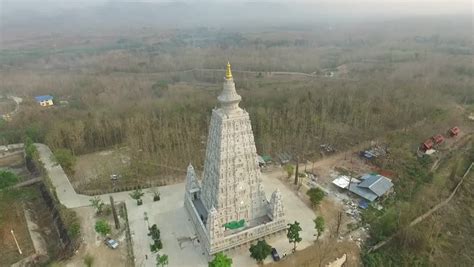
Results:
[44, 100]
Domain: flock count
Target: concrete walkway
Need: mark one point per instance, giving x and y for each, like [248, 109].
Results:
[64, 190]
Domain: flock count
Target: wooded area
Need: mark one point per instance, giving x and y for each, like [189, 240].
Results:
[151, 92]
[163, 117]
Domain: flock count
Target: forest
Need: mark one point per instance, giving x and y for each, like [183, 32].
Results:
[155, 96]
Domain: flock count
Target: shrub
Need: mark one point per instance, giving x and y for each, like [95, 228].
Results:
[107, 210]
[66, 159]
[30, 149]
[289, 169]
[102, 227]
[7, 179]
[88, 260]
[74, 230]
[157, 245]
[316, 195]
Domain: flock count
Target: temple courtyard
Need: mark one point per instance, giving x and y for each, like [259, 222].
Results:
[178, 235]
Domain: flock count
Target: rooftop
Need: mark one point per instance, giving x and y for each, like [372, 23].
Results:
[41, 98]
[344, 180]
[370, 187]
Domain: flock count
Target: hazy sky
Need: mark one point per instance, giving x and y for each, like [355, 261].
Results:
[213, 12]
[427, 4]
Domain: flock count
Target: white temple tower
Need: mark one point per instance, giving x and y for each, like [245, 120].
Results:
[230, 207]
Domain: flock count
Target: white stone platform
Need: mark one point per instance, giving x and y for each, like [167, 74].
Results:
[171, 217]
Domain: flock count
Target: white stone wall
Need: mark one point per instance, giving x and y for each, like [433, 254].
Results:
[247, 236]
[232, 182]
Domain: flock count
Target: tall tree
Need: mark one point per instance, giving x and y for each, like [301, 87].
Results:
[319, 226]
[297, 169]
[316, 195]
[221, 260]
[289, 169]
[293, 233]
[260, 250]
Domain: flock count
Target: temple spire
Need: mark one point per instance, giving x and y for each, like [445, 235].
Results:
[228, 71]
[229, 99]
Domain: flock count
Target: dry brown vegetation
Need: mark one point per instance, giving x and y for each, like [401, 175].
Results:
[151, 91]
[443, 237]
[129, 91]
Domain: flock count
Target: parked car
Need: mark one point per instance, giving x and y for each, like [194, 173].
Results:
[275, 255]
[111, 243]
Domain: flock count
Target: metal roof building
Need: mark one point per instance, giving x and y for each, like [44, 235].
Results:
[41, 98]
[372, 186]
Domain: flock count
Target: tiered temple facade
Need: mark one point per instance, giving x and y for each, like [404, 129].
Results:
[229, 207]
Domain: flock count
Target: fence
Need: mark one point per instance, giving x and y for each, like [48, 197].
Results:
[128, 236]
[82, 188]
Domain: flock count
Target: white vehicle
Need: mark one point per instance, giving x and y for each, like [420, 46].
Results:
[111, 243]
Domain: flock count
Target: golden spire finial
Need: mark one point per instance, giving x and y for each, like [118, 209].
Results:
[228, 71]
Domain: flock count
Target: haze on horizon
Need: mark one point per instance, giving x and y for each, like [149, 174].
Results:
[51, 14]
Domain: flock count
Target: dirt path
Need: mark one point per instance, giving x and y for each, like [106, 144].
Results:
[17, 101]
[270, 73]
[28, 182]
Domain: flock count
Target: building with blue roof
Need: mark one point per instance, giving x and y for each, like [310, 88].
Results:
[371, 187]
[44, 100]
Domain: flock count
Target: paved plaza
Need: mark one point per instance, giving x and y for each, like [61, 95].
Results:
[179, 237]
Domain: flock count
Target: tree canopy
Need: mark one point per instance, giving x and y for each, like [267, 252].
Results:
[260, 251]
[7, 179]
[289, 169]
[66, 159]
[102, 227]
[319, 226]
[316, 195]
[162, 260]
[293, 233]
[221, 260]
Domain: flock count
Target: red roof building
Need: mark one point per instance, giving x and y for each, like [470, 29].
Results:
[438, 139]
[428, 144]
[454, 131]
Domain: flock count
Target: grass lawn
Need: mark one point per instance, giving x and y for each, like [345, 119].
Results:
[93, 170]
